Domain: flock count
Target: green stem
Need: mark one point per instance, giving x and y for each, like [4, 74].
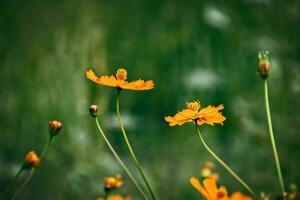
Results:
[45, 149]
[13, 181]
[225, 165]
[32, 170]
[120, 161]
[268, 112]
[136, 162]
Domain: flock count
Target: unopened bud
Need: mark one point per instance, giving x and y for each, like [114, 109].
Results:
[264, 65]
[32, 160]
[54, 127]
[93, 110]
[113, 182]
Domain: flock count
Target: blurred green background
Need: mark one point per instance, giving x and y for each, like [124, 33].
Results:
[204, 50]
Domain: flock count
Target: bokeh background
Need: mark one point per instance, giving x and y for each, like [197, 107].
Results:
[204, 50]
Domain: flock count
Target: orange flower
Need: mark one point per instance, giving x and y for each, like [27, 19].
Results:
[239, 196]
[113, 182]
[32, 159]
[209, 189]
[208, 115]
[120, 81]
[116, 197]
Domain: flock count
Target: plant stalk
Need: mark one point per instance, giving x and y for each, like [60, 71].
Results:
[136, 162]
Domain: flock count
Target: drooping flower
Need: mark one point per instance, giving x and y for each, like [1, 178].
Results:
[113, 182]
[32, 159]
[209, 115]
[120, 81]
[209, 189]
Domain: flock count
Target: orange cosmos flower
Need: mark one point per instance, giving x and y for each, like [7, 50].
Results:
[113, 182]
[208, 115]
[120, 81]
[209, 189]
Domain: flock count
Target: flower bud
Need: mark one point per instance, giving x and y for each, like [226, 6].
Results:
[113, 182]
[32, 160]
[264, 65]
[93, 110]
[54, 127]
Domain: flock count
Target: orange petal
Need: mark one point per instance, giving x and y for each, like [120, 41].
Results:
[211, 186]
[91, 75]
[195, 182]
[138, 85]
[239, 196]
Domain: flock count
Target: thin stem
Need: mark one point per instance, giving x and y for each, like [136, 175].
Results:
[13, 181]
[32, 170]
[136, 162]
[225, 165]
[268, 112]
[120, 161]
[45, 149]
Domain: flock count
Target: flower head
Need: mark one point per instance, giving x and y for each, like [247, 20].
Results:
[113, 182]
[264, 65]
[32, 159]
[207, 171]
[209, 189]
[208, 115]
[120, 81]
[54, 127]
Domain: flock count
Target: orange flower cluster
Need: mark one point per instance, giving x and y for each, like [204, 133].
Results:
[193, 113]
[210, 191]
[120, 81]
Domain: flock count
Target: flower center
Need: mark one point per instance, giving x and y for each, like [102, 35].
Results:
[220, 195]
[195, 105]
[121, 74]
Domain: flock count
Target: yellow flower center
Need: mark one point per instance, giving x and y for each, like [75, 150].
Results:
[195, 105]
[121, 74]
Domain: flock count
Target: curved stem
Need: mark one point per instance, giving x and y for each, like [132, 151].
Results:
[268, 112]
[32, 170]
[136, 162]
[13, 181]
[120, 161]
[225, 165]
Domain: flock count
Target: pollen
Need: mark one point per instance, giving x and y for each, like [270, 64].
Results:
[121, 74]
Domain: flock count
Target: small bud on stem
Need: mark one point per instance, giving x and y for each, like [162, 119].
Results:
[264, 65]
[93, 110]
[54, 127]
[32, 160]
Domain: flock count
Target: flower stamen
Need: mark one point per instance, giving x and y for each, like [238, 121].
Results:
[195, 105]
[121, 74]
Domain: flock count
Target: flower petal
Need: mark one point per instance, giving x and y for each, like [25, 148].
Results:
[195, 182]
[138, 85]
